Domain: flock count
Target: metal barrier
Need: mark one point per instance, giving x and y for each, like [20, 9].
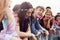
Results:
[54, 36]
[57, 35]
[50, 37]
[42, 37]
[38, 37]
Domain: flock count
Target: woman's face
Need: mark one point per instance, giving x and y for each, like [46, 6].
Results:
[48, 16]
[29, 12]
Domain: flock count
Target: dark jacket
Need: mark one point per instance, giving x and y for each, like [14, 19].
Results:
[42, 23]
[35, 26]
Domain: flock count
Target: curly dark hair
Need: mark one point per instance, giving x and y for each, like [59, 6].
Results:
[23, 9]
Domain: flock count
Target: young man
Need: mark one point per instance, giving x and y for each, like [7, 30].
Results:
[40, 11]
[36, 28]
[57, 25]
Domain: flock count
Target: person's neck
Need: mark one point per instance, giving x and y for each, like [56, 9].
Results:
[34, 16]
[26, 17]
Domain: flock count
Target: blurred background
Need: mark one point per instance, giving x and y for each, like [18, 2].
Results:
[54, 4]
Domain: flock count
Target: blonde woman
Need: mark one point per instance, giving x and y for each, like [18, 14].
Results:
[9, 24]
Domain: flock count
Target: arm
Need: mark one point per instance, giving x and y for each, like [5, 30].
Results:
[51, 22]
[41, 29]
[48, 24]
[29, 30]
[1, 17]
[33, 29]
[22, 34]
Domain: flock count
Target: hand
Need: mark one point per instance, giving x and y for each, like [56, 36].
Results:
[38, 33]
[51, 18]
[33, 37]
[53, 30]
[46, 33]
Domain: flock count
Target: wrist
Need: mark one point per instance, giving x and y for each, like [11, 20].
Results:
[31, 34]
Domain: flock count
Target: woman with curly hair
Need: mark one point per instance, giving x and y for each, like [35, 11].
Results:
[24, 30]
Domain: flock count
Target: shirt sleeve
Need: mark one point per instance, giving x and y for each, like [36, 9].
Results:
[33, 29]
[39, 27]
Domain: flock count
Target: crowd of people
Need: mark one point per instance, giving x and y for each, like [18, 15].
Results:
[24, 22]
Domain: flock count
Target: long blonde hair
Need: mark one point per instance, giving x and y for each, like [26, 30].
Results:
[4, 4]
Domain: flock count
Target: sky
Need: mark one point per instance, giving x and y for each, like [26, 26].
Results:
[54, 4]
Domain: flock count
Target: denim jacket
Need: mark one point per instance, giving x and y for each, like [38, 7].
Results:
[35, 27]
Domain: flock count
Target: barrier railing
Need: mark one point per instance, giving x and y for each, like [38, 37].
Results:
[53, 36]
[42, 37]
[57, 35]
